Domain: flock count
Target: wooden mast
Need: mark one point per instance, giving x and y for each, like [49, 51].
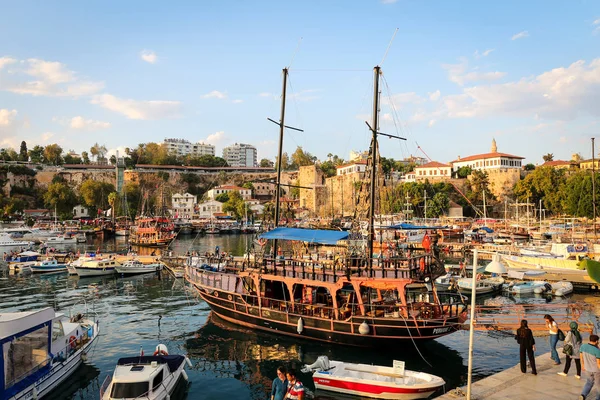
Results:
[374, 128]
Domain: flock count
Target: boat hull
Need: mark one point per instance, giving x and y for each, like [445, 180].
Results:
[85, 271]
[369, 390]
[232, 308]
[40, 269]
[138, 270]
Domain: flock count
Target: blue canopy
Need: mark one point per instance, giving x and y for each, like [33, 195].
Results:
[306, 235]
[404, 225]
[484, 228]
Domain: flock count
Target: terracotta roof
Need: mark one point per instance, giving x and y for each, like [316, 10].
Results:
[433, 164]
[555, 163]
[230, 187]
[87, 166]
[359, 162]
[487, 155]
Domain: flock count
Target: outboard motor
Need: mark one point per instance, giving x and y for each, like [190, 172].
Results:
[548, 287]
[322, 364]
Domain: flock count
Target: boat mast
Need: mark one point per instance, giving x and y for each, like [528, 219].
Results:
[594, 187]
[374, 127]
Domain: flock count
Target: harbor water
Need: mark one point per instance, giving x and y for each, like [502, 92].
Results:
[229, 362]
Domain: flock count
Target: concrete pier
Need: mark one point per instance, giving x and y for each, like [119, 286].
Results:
[512, 384]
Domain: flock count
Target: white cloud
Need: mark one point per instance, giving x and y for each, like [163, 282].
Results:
[387, 117]
[215, 94]
[136, 109]
[561, 93]
[520, 35]
[6, 60]
[50, 78]
[7, 117]
[149, 56]
[435, 96]
[304, 95]
[485, 53]
[46, 136]
[388, 1]
[87, 124]
[563, 139]
[120, 149]
[596, 23]
[217, 138]
[265, 94]
[431, 123]
[460, 73]
[237, 101]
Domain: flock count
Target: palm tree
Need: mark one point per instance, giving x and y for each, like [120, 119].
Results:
[548, 157]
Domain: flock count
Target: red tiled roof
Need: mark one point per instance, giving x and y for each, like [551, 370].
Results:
[487, 155]
[87, 166]
[433, 164]
[555, 163]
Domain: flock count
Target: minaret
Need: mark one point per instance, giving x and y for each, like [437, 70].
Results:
[494, 147]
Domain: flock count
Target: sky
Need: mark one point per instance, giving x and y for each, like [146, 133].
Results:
[456, 75]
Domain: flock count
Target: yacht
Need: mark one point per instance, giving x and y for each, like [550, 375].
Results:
[7, 242]
[133, 267]
[42, 348]
[154, 377]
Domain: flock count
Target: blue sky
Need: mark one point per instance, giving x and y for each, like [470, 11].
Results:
[457, 74]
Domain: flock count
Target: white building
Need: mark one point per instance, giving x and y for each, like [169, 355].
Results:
[489, 161]
[209, 208]
[80, 211]
[355, 166]
[182, 147]
[433, 171]
[240, 155]
[183, 205]
[409, 177]
[214, 192]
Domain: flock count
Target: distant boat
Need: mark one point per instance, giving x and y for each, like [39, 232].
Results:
[6, 241]
[48, 265]
[61, 239]
[133, 267]
[482, 286]
[372, 381]
[97, 267]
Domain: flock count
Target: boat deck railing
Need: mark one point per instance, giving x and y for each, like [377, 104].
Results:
[420, 305]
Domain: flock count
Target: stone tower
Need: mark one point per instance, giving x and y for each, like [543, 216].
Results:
[494, 147]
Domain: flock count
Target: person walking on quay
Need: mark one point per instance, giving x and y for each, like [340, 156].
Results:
[590, 362]
[553, 329]
[571, 349]
[295, 390]
[279, 387]
[526, 345]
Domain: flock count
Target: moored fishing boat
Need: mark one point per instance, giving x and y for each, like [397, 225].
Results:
[482, 285]
[134, 267]
[152, 232]
[97, 267]
[50, 264]
[41, 349]
[154, 377]
[372, 381]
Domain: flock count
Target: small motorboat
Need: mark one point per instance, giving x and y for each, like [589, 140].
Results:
[525, 287]
[561, 288]
[372, 381]
[132, 267]
[48, 265]
[153, 377]
[483, 285]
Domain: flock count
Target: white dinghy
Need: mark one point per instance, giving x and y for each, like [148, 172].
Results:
[372, 381]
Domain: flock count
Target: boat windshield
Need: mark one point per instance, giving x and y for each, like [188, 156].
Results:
[24, 355]
[129, 390]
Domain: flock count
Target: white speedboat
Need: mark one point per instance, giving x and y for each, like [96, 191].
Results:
[48, 265]
[132, 267]
[482, 286]
[7, 242]
[525, 287]
[62, 239]
[100, 267]
[559, 289]
[41, 349]
[153, 377]
[372, 381]
[80, 238]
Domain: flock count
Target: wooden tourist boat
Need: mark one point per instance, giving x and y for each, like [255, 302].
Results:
[372, 381]
[351, 298]
[152, 232]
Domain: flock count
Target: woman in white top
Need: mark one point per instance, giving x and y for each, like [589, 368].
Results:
[553, 330]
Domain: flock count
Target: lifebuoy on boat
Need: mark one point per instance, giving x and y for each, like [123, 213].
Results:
[579, 247]
[73, 342]
[262, 242]
[478, 277]
[160, 352]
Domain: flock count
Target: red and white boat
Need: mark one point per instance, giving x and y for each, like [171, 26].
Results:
[372, 381]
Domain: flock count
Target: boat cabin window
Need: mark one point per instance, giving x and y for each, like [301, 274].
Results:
[157, 380]
[24, 355]
[57, 330]
[128, 390]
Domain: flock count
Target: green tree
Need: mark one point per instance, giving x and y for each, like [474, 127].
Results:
[85, 157]
[266, 163]
[285, 162]
[235, 204]
[463, 172]
[36, 155]
[52, 154]
[576, 194]
[438, 206]
[61, 197]
[301, 158]
[545, 184]
[529, 167]
[223, 197]
[95, 193]
[94, 150]
[23, 156]
[113, 159]
[328, 168]
[70, 159]
[548, 157]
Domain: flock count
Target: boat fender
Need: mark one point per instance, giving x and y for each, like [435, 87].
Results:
[188, 362]
[559, 293]
[168, 397]
[161, 350]
[185, 376]
[364, 328]
[35, 393]
[300, 326]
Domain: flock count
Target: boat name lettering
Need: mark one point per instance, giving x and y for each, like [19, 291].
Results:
[441, 330]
